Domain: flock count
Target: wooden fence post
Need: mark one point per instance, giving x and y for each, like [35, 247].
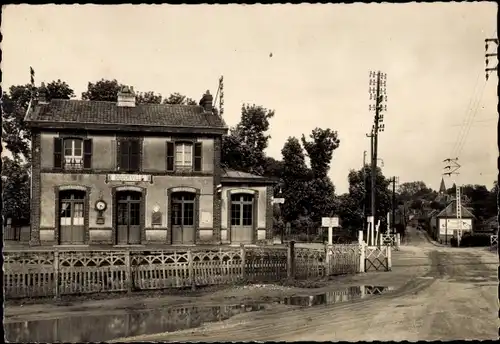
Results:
[57, 291]
[362, 256]
[128, 267]
[291, 260]
[389, 258]
[242, 254]
[191, 270]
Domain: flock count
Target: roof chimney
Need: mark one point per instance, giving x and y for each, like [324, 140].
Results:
[206, 101]
[126, 97]
[42, 94]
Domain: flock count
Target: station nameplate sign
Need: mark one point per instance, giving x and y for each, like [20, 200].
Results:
[129, 178]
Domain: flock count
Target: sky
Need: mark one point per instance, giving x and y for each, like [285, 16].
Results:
[310, 63]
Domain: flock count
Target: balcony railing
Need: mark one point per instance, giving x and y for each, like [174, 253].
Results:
[73, 163]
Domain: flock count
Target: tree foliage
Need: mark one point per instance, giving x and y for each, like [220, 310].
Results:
[15, 190]
[177, 98]
[15, 134]
[243, 148]
[412, 191]
[295, 177]
[148, 98]
[320, 149]
[351, 205]
[103, 90]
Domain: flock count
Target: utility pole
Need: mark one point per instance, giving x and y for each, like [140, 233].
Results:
[487, 55]
[378, 94]
[364, 186]
[452, 169]
[220, 95]
[393, 218]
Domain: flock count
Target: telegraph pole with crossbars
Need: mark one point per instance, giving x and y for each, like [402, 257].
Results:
[487, 55]
[452, 169]
[378, 94]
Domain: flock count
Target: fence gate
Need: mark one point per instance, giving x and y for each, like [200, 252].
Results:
[377, 258]
[493, 241]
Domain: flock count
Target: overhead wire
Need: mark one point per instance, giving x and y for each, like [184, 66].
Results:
[478, 105]
[471, 113]
[466, 118]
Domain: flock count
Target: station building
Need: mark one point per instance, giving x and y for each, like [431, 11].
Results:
[122, 173]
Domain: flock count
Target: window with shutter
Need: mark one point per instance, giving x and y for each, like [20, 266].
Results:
[134, 156]
[87, 153]
[170, 156]
[124, 155]
[130, 155]
[58, 153]
[198, 156]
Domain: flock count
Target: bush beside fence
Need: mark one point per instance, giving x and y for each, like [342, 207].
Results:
[56, 273]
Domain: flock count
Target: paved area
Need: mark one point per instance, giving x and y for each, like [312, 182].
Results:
[446, 294]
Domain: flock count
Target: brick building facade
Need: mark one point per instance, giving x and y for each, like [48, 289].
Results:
[121, 173]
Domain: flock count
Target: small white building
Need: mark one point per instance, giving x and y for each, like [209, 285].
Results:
[448, 224]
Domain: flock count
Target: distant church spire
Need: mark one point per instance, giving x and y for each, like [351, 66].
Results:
[442, 188]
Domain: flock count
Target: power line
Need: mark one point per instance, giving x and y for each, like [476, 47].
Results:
[478, 104]
[466, 116]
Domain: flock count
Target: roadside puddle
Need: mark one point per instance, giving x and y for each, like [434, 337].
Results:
[337, 296]
[105, 327]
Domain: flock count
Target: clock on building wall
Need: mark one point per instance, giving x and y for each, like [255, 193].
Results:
[100, 205]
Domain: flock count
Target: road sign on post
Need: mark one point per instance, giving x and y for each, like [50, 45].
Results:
[278, 200]
[330, 222]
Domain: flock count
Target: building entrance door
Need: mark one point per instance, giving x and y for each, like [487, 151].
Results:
[128, 222]
[242, 219]
[71, 217]
[182, 219]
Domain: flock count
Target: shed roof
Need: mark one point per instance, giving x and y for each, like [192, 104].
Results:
[230, 175]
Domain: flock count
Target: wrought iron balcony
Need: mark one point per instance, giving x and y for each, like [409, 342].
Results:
[73, 163]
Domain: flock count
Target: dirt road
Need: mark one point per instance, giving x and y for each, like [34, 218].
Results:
[450, 294]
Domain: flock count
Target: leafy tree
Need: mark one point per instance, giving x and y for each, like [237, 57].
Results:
[295, 177]
[59, 90]
[148, 97]
[320, 189]
[359, 195]
[234, 154]
[15, 190]
[320, 150]
[417, 190]
[177, 98]
[244, 147]
[15, 135]
[103, 90]
[480, 199]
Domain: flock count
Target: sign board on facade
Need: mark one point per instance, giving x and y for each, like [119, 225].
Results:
[129, 178]
[448, 226]
[278, 200]
[206, 217]
[330, 221]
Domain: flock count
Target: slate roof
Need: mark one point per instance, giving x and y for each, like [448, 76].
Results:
[451, 211]
[109, 113]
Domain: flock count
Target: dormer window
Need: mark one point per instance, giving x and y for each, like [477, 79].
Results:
[73, 154]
